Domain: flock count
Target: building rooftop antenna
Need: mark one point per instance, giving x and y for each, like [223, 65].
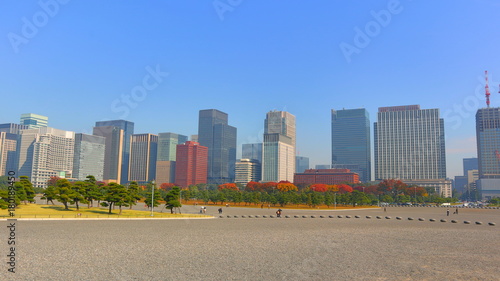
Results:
[487, 89]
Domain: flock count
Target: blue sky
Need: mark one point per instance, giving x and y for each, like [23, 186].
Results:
[79, 62]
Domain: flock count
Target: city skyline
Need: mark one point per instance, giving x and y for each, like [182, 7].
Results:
[133, 64]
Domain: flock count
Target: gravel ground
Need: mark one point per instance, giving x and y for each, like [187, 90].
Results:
[261, 248]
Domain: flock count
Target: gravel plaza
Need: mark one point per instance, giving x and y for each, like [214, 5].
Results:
[357, 244]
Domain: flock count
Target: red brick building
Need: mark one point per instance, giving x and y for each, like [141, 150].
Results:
[191, 164]
[325, 176]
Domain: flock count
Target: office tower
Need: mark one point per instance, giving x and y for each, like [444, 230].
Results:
[248, 170]
[143, 154]
[191, 164]
[470, 164]
[165, 162]
[488, 151]
[278, 160]
[220, 139]
[128, 131]
[12, 128]
[252, 151]
[326, 176]
[45, 152]
[113, 153]
[322, 166]
[194, 138]
[89, 157]
[34, 121]
[409, 145]
[460, 184]
[351, 141]
[301, 164]
[8, 142]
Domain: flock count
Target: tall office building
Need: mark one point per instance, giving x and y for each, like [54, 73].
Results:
[488, 151]
[301, 164]
[34, 121]
[220, 138]
[165, 162]
[252, 151]
[351, 141]
[128, 131]
[89, 157]
[410, 146]
[247, 170]
[470, 164]
[278, 152]
[143, 155]
[113, 153]
[191, 164]
[45, 152]
[8, 142]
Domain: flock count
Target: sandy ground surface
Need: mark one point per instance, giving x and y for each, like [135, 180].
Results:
[261, 248]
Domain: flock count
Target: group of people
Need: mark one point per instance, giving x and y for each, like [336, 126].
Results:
[203, 210]
[454, 212]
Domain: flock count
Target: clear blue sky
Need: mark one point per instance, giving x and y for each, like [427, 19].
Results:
[77, 61]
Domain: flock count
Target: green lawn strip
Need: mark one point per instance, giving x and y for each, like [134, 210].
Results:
[51, 211]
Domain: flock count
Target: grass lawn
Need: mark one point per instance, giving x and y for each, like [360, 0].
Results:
[51, 211]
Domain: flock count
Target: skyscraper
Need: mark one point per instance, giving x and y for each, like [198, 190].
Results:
[410, 146]
[488, 151]
[220, 139]
[143, 154]
[191, 164]
[252, 151]
[351, 141]
[128, 131]
[45, 152]
[113, 154]
[165, 162]
[278, 161]
[8, 144]
[247, 170]
[470, 164]
[301, 164]
[34, 121]
[89, 157]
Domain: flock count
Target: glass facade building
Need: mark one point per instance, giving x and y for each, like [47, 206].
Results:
[113, 154]
[488, 151]
[301, 164]
[143, 154]
[89, 157]
[128, 131]
[220, 138]
[351, 141]
[34, 121]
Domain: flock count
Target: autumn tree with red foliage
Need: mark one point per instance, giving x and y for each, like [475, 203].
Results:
[269, 186]
[253, 186]
[319, 187]
[392, 186]
[344, 188]
[53, 181]
[230, 186]
[167, 186]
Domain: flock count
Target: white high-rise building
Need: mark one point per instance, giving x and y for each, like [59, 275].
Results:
[410, 146]
[45, 152]
[247, 170]
[278, 160]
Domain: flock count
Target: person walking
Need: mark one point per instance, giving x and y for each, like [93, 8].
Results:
[220, 210]
[447, 212]
[278, 213]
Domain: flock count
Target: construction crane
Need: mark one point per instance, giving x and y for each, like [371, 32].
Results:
[487, 88]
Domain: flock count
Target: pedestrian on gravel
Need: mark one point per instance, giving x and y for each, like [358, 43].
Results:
[447, 212]
[220, 210]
